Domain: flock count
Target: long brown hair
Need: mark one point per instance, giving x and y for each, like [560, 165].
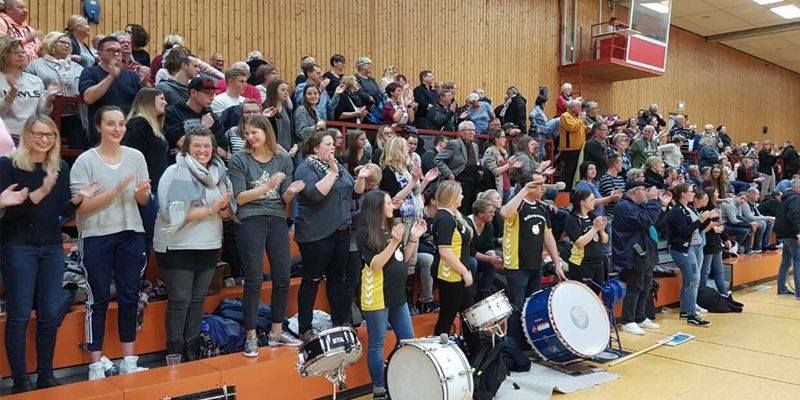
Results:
[354, 153]
[260, 122]
[144, 105]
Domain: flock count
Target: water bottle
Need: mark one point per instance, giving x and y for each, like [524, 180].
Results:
[408, 213]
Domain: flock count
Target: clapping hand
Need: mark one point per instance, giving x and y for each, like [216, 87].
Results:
[269, 112]
[123, 184]
[365, 172]
[719, 228]
[432, 175]
[49, 181]
[296, 187]
[54, 89]
[275, 180]
[142, 185]
[339, 89]
[207, 120]
[293, 150]
[397, 232]
[12, 197]
[88, 190]
[419, 229]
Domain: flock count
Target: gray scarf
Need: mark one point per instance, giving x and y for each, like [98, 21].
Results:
[189, 185]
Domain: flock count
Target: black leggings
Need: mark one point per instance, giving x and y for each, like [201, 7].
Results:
[453, 299]
[594, 271]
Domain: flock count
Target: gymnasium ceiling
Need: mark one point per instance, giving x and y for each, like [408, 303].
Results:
[744, 25]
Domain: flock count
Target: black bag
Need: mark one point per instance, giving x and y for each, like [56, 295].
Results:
[490, 370]
[650, 307]
[714, 302]
[516, 360]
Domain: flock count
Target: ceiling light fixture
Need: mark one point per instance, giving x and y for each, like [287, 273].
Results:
[661, 8]
[763, 2]
[787, 12]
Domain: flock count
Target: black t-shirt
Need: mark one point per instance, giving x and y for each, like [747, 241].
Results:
[449, 232]
[592, 253]
[483, 242]
[334, 82]
[384, 289]
[523, 236]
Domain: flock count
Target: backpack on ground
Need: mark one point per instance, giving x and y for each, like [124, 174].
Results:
[714, 302]
[490, 370]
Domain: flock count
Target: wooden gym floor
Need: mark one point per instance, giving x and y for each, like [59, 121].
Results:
[752, 355]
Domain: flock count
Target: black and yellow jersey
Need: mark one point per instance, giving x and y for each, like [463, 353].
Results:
[447, 231]
[383, 288]
[523, 236]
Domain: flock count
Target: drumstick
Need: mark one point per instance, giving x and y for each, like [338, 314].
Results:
[640, 352]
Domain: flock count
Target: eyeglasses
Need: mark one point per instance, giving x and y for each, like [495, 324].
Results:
[20, 53]
[48, 135]
[64, 43]
[113, 51]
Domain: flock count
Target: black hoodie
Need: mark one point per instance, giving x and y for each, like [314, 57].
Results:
[174, 92]
[180, 118]
[787, 221]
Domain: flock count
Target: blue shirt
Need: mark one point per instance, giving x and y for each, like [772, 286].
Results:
[595, 189]
[480, 116]
[121, 92]
[325, 102]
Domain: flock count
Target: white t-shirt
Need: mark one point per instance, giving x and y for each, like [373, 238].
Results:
[223, 101]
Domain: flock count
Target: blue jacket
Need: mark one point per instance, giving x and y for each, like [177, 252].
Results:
[681, 228]
[631, 226]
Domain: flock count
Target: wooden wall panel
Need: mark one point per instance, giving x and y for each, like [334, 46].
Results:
[476, 43]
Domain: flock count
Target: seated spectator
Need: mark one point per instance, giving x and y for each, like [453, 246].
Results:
[527, 148]
[439, 142]
[486, 255]
[412, 139]
[350, 107]
[235, 134]
[613, 181]
[620, 143]
[644, 147]
[654, 173]
[181, 117]
[750, 213]
[442, 115]
[708, 154]
[334, 75]
[395, 110]
[480, 113]
[127, 58]
[719, 180]
[15, 26]
[671, 152]
[23, 94]
[250, 91]
[255, 60]
[458, 161]
[56, 69]
[382, 136]
[635, 175]
[682, 128]
[694, 177]
[182, 68]
[632, 129]
[514, 110]
[589, 182]
[596, 148]
[236, 84]
[647, 116]
[139, 40]
[408, 94]
[108, 83]
[79, 30]
[306, 61]
[736, 226]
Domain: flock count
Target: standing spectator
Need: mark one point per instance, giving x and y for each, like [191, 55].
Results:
[647, 116]
[588, 235]
[36, 194]
[265, 74]
[236, 81]
[459, 161]
[384, 134]
[682, 128]
[426, 98]
[217, 61]
[767, 159]
[644, 147]
[235, 134]
[671, 152]
[527, 148]
[613, 181]
[383, 274]
[619, 146]
[249, 92]
[182, 68]
[325, 104]
[127, 58]
[139, 40]
[255, 60]
[526, 233]
[334, 76]
[496, 159]
[596, 148]
[654, 173]
[55, 69]
[350, 107]
[23, 94]
[280, 116]
[572, 138]
[356, 154]
[181, 117]
[395, 110]
[108, 83]
[439, 143]
[322, 229]
[787, 230]
[79, 30]
[715, 243]
[791, 160]
[591, 114]
[686, 227]
[480, 113]
[389, 76]
[441, 115]
[144, 132]
[589, 183]
[195, 198]
[306, 62]
[112, 235]
[170, 41]
[370, 93]
[15, 26]
[262, 185]
[305, 114]
[514, 110]
[635, 252]
[539, 118]
[564, 98]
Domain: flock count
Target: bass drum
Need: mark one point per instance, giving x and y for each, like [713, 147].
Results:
[566, 322]
[428, 369]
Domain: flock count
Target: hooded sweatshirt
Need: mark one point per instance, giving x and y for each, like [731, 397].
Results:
[174, 92]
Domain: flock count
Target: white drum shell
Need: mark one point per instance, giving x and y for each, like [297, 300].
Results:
[427, 369]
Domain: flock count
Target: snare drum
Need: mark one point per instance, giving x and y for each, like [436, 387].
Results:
[327, 351]
[565, 322]
[427, 369]
[488, 312]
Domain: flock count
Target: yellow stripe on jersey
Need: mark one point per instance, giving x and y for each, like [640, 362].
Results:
[576, 255]
[511, 242]
[446, 273]
[372, 296]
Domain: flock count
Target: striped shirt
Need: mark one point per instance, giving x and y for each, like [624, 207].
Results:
[607, 185]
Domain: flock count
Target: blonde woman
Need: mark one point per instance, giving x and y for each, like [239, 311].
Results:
[33, 260]
[56, 68]
[383, 135]
[402, 182]
[350, 107]
[145, 133]
[79, 30]
[452, 237]
[496, 159]
[16, 109]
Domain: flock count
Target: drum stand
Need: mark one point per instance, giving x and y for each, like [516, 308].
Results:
[612, 319]
[337, 378]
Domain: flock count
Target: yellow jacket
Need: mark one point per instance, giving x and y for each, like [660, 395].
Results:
[572, 132]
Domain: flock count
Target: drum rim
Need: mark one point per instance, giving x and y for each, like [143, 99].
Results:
[485, 301]
[559, 335]
[318, 337]
[439, 370]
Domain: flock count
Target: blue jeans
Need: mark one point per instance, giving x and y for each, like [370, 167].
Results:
[690, 264]
[520, 285]
[32, 275]
[740, 234]
[149, 212]
[484, 277]
[377, 326]
[712, 265]
[789, 257]
[763, 235]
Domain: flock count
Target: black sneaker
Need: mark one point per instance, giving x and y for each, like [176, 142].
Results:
[696, 320]
[429, 307]
[785, 292]
[22, 385]
[683, 315]
[44, 382]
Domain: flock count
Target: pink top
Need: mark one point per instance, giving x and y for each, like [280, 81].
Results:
[6, 143]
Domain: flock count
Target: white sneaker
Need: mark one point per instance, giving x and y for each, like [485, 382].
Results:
[128, 365]
[648, 324]
[735, 248]
[700, 310]
[97, 371]
[633, 327]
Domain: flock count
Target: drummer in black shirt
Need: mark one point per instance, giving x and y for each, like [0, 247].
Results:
[588, 235]
[383, 278]
[526, 232]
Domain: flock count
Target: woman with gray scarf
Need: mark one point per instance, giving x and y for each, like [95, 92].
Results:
[195, 198]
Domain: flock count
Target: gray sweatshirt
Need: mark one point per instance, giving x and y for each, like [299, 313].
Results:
[247, 173]
[31, 99]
